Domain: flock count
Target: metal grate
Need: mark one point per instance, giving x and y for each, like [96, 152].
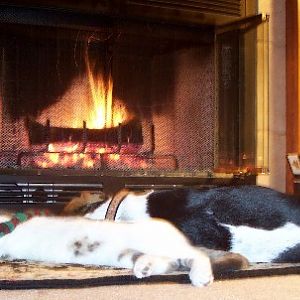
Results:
[33, 192]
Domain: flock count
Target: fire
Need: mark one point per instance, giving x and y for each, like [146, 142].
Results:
[90, 99]
[105, 111]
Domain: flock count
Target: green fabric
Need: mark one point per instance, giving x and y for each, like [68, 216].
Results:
[22, 217]
[10, 225]
[17, 218]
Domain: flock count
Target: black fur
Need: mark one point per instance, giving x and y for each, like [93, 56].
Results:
[292, 255]
[198, 213]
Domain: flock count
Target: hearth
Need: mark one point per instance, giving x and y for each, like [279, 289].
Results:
[99, 100]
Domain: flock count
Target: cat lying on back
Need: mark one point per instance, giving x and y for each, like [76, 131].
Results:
[259, 223]
[149, 247]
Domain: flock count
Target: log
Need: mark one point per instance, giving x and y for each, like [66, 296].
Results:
[130, 132]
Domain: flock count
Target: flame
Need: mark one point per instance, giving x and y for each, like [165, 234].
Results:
[90, 99]
[101, 113]
[105, 112]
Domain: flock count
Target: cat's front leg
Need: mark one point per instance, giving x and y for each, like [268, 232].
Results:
[200, 269]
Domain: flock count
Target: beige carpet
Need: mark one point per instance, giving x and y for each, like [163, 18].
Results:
[17, 275]
[260, 288]
[273, 288]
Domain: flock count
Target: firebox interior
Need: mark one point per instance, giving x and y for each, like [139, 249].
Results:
[148, 89]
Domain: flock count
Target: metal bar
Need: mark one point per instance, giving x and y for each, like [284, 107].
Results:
[38, 192]
[94, 185]
[152, 136]
[31, 201]
[84, 135]
[47, 132]
[165, 186]
[242, 24]
[119, 137]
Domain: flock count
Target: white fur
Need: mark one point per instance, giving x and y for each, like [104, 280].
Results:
[52, 239]
[4, 218]
[132, 208]
[260, 245]
[100, 212]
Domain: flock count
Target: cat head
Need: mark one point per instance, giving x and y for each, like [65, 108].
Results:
[84, 203]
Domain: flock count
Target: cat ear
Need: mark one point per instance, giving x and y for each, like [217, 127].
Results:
[80, 204]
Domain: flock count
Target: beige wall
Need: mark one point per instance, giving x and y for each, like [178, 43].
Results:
[277, 94]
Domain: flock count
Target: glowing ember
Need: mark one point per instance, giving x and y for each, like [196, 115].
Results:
[114, 156]
[70, 155]
[93, 155]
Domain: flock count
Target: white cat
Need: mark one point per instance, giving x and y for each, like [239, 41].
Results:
[149, 247]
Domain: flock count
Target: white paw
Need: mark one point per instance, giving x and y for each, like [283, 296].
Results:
[143, 267]
[201, 274]
[201, 280]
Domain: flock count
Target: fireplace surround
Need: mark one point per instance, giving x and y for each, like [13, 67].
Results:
[103, 96]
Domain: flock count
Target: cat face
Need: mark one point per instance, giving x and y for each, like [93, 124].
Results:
[84, 203]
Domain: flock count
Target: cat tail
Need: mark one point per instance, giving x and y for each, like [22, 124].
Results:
[224, 261]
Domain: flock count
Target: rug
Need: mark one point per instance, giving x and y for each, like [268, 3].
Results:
[28, 275]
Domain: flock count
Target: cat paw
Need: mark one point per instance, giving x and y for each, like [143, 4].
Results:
[143, 267]
[201, 274]
[201, 280]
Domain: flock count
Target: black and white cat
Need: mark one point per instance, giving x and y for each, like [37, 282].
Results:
[256, 222]
[259, 223]
[149, 247]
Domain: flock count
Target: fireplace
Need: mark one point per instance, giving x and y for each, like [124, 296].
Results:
[101, 100]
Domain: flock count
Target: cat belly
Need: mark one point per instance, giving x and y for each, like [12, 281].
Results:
[149, 247]
[79, 240]
[260, 245]
[56, 241]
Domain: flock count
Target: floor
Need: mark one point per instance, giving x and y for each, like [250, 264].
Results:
[275, 287]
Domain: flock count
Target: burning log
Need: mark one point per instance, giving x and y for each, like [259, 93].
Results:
[130, 132]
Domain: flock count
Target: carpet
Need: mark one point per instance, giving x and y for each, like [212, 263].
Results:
[27, 275]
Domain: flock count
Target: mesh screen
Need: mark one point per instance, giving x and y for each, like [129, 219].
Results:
[150, 90]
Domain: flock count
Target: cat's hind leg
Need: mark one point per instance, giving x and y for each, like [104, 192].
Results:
[199, 268]
[145, 265]
[148, 265]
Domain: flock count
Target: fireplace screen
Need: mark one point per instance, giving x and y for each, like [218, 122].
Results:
[124, 96]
